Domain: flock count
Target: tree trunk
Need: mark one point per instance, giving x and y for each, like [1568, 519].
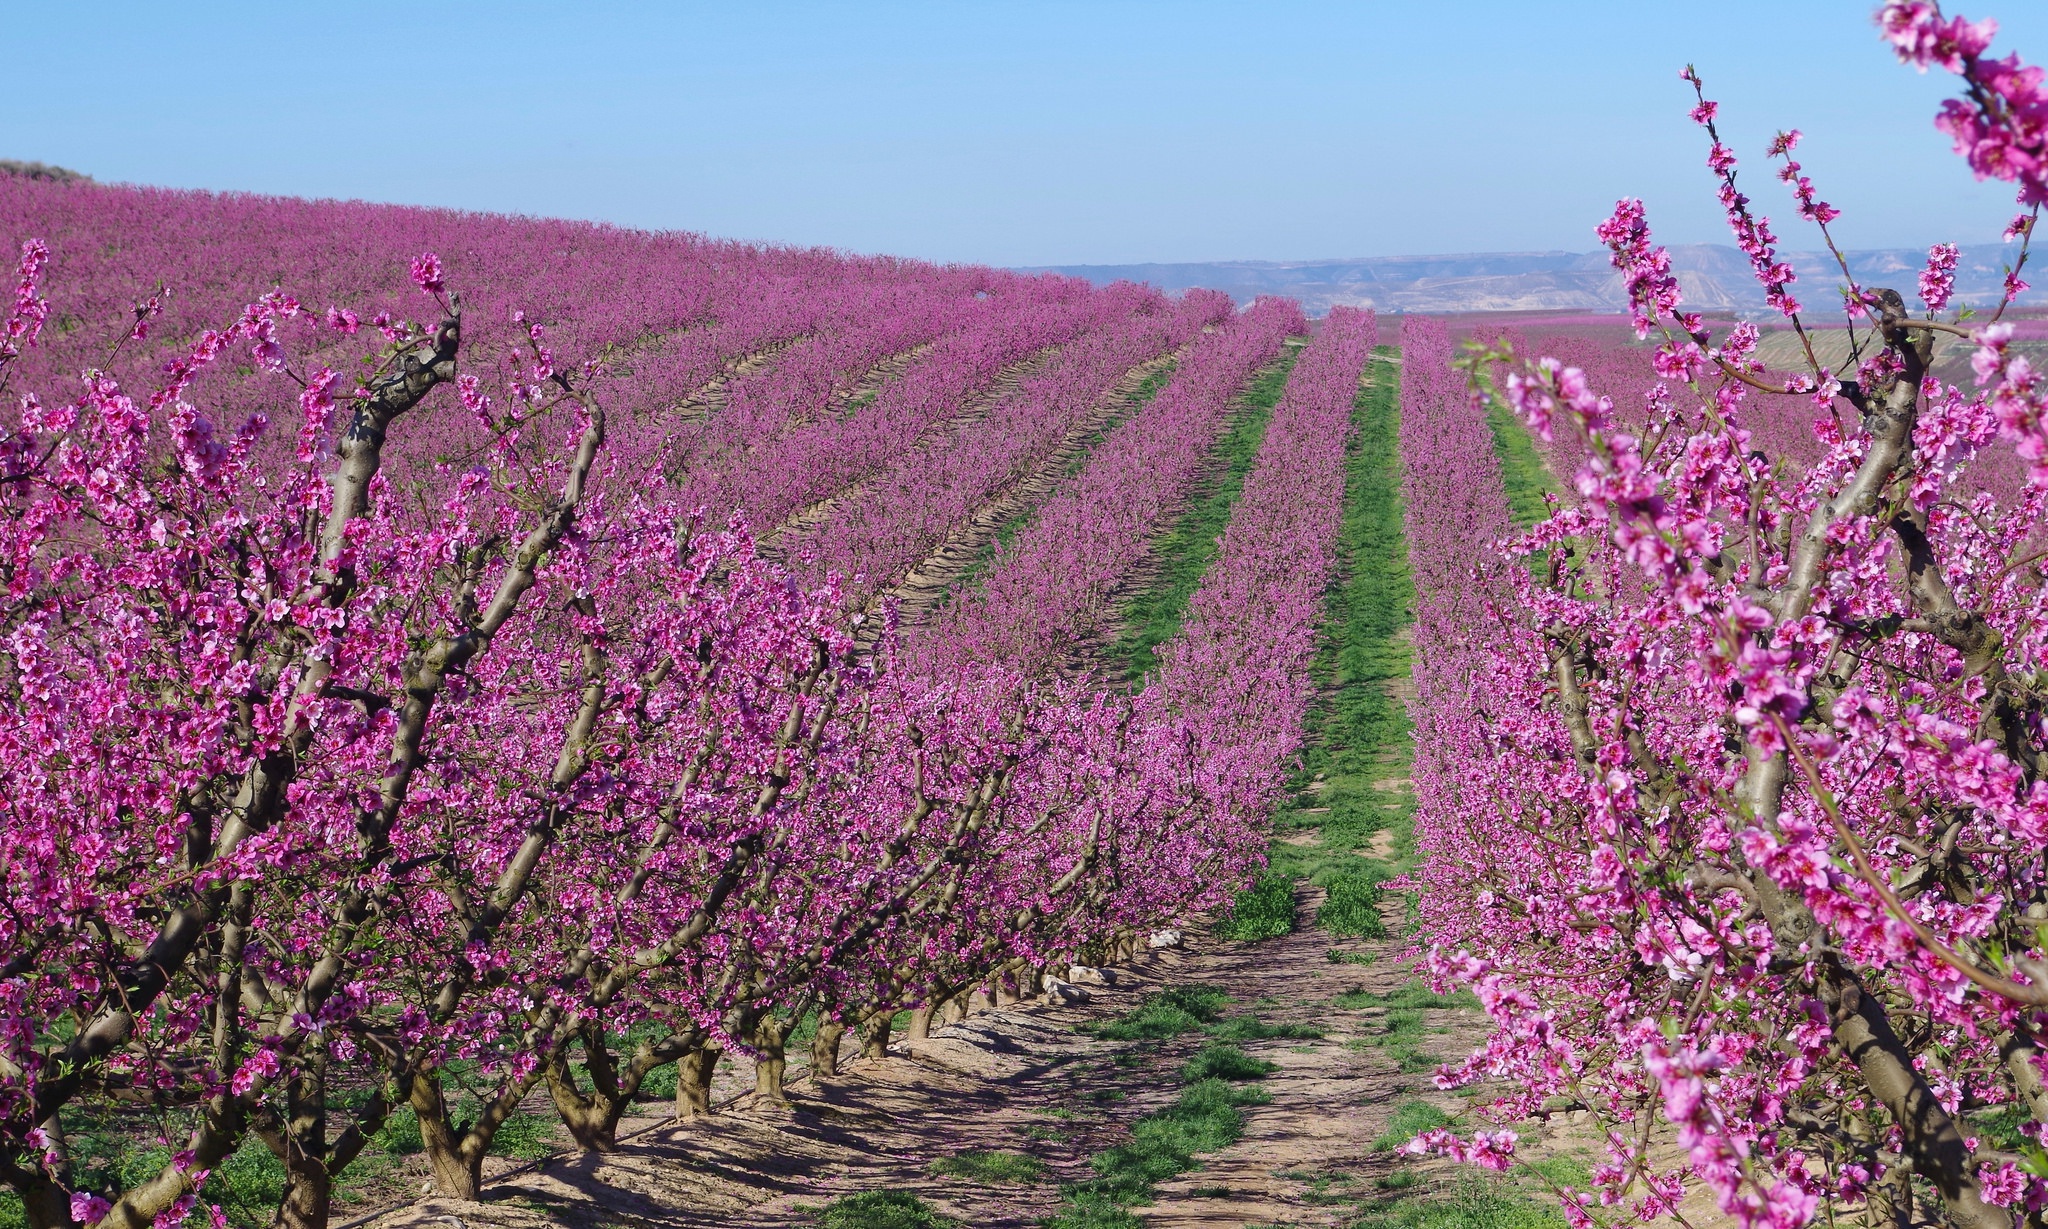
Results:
[47, 1205]
[457, 1164]
[693, 1081]
[592, 1118]
[825, 1047]
[308, 1190]
[309, 1183]
[920, 1023]
[981, 999]
[770, 1064]
[874, 1033]
[1888, 1204]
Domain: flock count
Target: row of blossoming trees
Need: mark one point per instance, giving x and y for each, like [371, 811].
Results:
[414, 710]
[1731, 772]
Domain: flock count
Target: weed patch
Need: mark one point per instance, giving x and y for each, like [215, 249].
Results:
[1223, 1061]
[882, 1210]
[1472, 1203]
[1181, 1009]
[1251, 1028]
[1411, 1118]
[1351, 906]
[1412, 993]
[991, 1167]
[1265, 910]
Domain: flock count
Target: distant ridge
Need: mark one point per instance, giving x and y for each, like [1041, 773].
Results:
[1715, 278]
[40, 170]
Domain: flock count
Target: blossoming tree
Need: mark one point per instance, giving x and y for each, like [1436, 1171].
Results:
[1733, 796]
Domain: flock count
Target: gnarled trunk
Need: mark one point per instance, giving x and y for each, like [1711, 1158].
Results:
[456, 1160]
[47, 1204]
[874, 1032]
[308, 1191]
[952, 1011]
[693, 1081]
[309, 1183]
[825, 1047]
[770, 1065]
[592, 1118]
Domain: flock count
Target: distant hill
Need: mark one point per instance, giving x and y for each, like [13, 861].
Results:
[39, 170]
[1715, 277]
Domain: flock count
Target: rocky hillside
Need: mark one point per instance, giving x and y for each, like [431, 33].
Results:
[1715, 278]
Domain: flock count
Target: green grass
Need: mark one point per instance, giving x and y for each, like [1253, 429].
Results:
[1208, 1115]
[1338, 955]
[1251, 1028]
[1402, 1035]
[526, 1136]
[1352, 905]
[1170, 1013]
[991, 1167]
[1265, 910]
[1411, 1118]
[1469, 1203]
[1404, 1031]
[1412, 993]
[881, 1210]
[1358, 734]
[1522, 470]
[1186, 548]
[1221, 1060]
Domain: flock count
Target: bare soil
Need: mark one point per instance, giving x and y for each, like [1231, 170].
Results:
[710, 397]
[977, 408]
[924, 589]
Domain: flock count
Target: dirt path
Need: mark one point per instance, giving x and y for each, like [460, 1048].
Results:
[924, 588]
[1022, 1079]
[976, 409]
[710, 397]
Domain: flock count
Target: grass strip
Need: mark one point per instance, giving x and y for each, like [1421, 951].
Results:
[1522, 470]
[1352, 782]
[882, 1210]
[991, 1167]
[1218, 1082]
[1185, 550]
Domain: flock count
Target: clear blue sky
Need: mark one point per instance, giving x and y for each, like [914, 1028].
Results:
[1011, 133]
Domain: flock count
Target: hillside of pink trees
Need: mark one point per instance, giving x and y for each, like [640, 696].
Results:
[398, 688]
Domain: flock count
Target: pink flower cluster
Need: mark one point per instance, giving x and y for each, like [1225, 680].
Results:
[2002, 126]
